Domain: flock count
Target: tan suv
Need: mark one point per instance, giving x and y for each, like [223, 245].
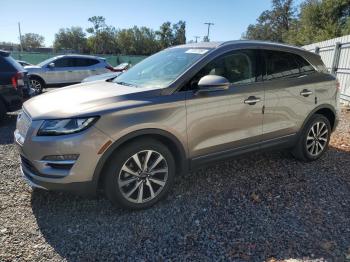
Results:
[176, 110]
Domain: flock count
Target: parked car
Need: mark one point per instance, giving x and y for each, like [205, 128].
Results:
[106, 76]
[122, 67]
[24, 63]
[65, 70]
[14, 84]
[176, 110]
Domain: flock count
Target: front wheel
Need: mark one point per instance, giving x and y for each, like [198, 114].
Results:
[314, 139]
[140, 174]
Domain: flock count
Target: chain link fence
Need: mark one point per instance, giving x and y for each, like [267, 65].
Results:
[35, 58]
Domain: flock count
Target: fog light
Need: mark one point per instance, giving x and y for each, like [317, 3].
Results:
[61, 157]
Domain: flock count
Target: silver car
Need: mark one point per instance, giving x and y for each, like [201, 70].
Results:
[174, 111]
[66, 69]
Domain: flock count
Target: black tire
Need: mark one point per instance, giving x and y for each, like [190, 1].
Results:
[302, 149]
[3, 110]
[116, 193]
[37, 84]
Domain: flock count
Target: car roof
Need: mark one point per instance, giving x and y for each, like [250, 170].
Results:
[81, 56]
[244, 43]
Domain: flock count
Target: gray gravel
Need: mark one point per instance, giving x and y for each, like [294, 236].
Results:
[265, 206]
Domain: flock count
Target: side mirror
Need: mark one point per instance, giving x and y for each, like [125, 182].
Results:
[212, 83]
[51, 65]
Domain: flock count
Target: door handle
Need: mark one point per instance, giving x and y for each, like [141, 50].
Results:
[252, 100]
[306, 93]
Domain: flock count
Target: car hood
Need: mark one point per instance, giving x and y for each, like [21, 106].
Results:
[32, 68]
[101, 77]
[85, 99]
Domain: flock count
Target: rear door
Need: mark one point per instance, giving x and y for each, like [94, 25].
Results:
[84, 67]
[289, 93]
[225, 120]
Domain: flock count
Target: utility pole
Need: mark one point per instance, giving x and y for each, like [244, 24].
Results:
[20, 36]
[209, 25]
[197, 37]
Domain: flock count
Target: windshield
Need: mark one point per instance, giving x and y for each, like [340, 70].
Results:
[161, 69]
[47, 61]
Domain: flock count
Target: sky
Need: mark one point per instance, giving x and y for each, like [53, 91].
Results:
[45, 17]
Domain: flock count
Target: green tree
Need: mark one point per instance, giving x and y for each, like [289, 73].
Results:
[179, 31]
[102, 39]
[165, 35]
[169, 35]
[137, 41]
[71, 38]
[31, 40]
[322, 20]
[274, 25]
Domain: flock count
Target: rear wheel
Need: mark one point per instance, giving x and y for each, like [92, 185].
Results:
[37, 84]
[140, 174]
[314, 139]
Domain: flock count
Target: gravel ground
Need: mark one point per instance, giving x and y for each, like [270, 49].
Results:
[261, 207]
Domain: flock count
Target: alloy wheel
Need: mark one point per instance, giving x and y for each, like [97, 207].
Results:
[36, 84]
[143, 176]
[317, 139]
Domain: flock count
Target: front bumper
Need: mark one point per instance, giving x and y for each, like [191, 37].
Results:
[79, 188]
[77, 177]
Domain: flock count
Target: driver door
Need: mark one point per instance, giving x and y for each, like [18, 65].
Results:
[60, 73]
[221, 121]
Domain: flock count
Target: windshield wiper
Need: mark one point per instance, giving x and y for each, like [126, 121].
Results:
[125, 84]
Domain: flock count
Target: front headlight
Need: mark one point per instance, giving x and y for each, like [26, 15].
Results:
[65, 126]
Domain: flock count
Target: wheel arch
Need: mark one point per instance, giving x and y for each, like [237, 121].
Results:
[326, 110]
[173, 143]
[37, 77]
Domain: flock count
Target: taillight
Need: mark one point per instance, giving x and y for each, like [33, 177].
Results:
[110, 68]
[14, 82]
[17, 80]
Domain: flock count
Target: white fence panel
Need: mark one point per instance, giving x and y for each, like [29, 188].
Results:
[341, 66]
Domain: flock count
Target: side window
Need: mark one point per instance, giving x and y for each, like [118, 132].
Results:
[280, 65]
[81, 62]
[64, 62]
[237, 67]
